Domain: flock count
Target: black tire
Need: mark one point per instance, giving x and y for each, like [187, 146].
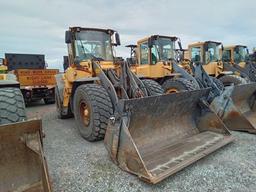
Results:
[49, 101]
[58, 102]
[153, 88]
[12, 106]
[227, 80]
[177, 85]
[99, 108]
[218, 83]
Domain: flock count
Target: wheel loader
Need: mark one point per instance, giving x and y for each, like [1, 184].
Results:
[22, 164]
[160, 55]
[36, 82]
[145, 132]
[208, 54]
[236, 58]
[152, 58]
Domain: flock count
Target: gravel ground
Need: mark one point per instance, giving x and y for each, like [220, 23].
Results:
[76, 165]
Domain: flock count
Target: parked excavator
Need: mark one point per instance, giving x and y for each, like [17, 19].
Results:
[145, 132]
[22, 164]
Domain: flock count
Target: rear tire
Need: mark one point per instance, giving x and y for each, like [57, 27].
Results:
[153, 88]
[12, 106]
[177, 85]
[92, 110]
[227, 80]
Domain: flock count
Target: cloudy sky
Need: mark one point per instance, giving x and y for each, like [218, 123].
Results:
[33, 26]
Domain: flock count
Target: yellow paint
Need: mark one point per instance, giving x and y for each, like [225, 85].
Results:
[149, 70]
[2, 76]
[212, 68]
[232, 51]
[84, 70]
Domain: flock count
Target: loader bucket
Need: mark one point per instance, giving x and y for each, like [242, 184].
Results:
[157, 136]
[243, 97]
[22, 164]
[230, 112]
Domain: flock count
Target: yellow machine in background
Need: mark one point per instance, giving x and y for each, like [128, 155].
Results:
[237, 59]
[208, 54]
[153, 58]
[236, 54]
[145, 132]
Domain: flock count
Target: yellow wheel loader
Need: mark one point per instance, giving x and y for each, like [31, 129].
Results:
[156, 57]
[22, 164]
[236, 58]
[146, 133]
[152, 58]
[207, 55]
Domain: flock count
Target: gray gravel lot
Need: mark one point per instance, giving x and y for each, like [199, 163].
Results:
[76, 165]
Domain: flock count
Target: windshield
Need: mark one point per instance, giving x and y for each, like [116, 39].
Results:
[163, 49]
[212, 53]
[93, 45]
[240, 54]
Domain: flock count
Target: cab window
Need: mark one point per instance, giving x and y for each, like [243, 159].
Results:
[196, 54]
[144, 53]
[226, 56]
[155, 54]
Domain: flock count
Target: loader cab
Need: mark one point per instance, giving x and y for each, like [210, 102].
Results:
[85, 44]
[237, 54]
[207, 53]
[156, 49]
[152, 55]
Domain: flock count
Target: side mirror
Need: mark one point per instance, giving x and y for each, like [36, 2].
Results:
[222, 48]
[117, 39]
[150, 42]
[68, 37]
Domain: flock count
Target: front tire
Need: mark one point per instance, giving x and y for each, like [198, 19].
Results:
[152, 87]
[228, 80]
[177, 85]
[12, 106]
[92, 110]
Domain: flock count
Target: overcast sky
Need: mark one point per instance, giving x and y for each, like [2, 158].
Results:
[33, 26]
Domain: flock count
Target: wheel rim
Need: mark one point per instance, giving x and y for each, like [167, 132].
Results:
[172, 90]
[85, 113]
